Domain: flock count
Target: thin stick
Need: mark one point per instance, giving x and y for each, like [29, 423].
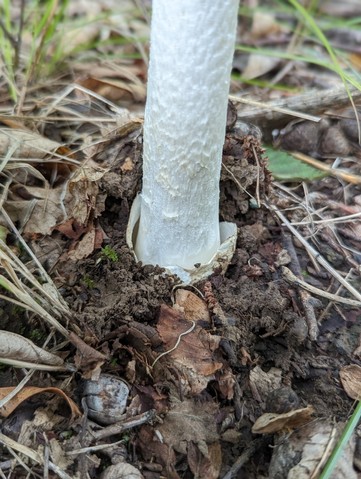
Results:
[316, 255]
[123, 426]
[291, 278]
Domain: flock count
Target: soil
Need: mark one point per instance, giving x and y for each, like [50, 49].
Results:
[116, 305]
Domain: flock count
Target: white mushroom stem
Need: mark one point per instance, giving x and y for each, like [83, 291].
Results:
[192, 46]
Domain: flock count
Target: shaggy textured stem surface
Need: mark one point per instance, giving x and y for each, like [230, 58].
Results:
[192, 45]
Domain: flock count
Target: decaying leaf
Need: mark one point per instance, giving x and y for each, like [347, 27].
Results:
[190, 428]
[122, 470]
[42, 213]
[14, 346]
[305, 452]
[351, 380]
[25, 144]
[259, 65]
[194, 308]
[155, 450]
[87, 359]
[270, 423]
[194, 354]
[265, 382]
[28, 392]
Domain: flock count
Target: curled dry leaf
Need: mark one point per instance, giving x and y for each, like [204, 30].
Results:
[351, 380]
[270, 423]
[28, 392]
[14, 346]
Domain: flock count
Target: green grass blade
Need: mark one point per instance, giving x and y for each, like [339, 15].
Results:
[345, 437]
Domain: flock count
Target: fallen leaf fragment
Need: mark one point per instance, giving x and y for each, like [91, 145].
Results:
[270, 423]
[14, 346]
[195, 308]
[305, 452]
[351, 380]
[193, 356]
[265, 382]
[121, 471]
[156, 451]
[87, 359]
[25, 144]
[29, 391]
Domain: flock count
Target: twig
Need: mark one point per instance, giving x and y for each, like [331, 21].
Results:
[291, 278]
[343, 175]
[306, 299]
[33, 455]
[316, 255]
[123, 426]
[275, 114]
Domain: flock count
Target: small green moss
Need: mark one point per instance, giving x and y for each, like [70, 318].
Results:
[88, 281]
[109, 253]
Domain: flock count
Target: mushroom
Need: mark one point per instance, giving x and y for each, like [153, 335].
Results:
[192, 46]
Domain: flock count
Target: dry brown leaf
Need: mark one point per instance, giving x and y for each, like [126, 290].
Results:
[29, 391]
[259, 65]
[265, 382]
[351, 380]
[91, 241]
[194, 308]
[226, 381]
[116, 89]
[270, 423]
[194, 355]
[40, 216]
[25, 144]
[122, 470]
[84, 191]
[208, 465]
[87, 359]
[155, 450]
[14, 346]
[190, 428]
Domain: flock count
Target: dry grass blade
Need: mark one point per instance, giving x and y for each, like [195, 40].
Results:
[27, 302]
[17, 389]
[267, 107]
[316, 255]
[12, 264]
[31, 454]
[343, 175]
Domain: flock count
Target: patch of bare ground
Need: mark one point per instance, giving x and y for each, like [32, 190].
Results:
[263, 330]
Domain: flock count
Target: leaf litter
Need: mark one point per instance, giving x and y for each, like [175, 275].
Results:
[236, 346]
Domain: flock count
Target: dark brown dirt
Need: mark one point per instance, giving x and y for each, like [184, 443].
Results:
[116, 304]
[261, 319]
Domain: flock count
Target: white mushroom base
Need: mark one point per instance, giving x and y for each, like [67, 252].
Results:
[219, 262]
